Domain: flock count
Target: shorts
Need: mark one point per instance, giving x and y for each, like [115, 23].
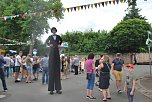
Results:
[118, 75]
[24, 67]
[17, 69]
[29, 69]
[35, 70]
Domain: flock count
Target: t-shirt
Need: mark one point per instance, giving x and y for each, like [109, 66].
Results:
[76, 61]
[28, 61]
[129, 80]
[44, 62]
[89, 64]
[8, 61]
[18, 59]
[118, 64]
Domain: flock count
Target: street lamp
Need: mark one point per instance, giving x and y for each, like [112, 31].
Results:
[149, 43]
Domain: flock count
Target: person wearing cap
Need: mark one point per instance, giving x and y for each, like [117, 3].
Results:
[2, 74]
[54, 41]
[130, 83]
[117, 68]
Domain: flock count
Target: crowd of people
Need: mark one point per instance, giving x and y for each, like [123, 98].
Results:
[29, 67]
[103, 68]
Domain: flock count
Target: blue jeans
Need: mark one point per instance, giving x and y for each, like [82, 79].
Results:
[90, 84]
[130, 97]
[2, 77]
[6, 70]
[45, 75]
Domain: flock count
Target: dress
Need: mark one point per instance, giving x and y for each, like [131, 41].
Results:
[54, 63]
[104, 79]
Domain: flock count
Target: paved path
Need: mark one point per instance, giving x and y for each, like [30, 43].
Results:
[73, 91]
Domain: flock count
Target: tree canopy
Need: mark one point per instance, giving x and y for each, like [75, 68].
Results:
[27, 28]
[133, 11]
[128, 36]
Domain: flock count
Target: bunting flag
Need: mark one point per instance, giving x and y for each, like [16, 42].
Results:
[62, 10]
[15, 42]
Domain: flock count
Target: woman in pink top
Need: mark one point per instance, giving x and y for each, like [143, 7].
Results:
[90, 68]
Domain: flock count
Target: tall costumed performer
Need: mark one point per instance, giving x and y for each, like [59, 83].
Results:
[54, 41]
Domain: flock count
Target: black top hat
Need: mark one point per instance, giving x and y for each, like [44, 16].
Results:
[53, 28]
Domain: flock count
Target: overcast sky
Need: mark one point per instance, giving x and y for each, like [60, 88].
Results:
[97, 18]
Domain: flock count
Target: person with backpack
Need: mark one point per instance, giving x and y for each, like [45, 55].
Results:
[117, 66]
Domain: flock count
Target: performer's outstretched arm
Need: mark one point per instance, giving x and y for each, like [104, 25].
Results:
[60, 39]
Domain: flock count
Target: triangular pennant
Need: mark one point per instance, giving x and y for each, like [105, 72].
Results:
[11, 17]
[34, 13]
[78, 8]
[99, 4]
[102, 4]
[106, 2]
[30, 17]
[64, 9]
[59, 12]
[55, 11]
[71, 9]
[85, 6]
[75, 8]
[17, 15]
[14, 16]
[27, 15]
[114, 1]
[95, 4]
[117, 1]
[110, 2]
[68, 9]
[5, 18]
[88, 6]
[40, 14]
[49, 13]
[92, 5]
[81, 7]
[46, 13]
[52, 11]
[121, 1]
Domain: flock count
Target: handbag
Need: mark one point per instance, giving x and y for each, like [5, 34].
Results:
[89, 76]
[109, 71]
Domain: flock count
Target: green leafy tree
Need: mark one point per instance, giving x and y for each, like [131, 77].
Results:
[133, 11]
[128, 36]
[29, 26]
[86, 42]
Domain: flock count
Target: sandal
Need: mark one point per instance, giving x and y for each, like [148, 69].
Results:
[109, 98]
[104, 99]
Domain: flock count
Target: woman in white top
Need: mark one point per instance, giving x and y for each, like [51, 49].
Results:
[24, 70]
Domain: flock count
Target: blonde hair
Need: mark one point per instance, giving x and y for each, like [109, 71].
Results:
[106, 58]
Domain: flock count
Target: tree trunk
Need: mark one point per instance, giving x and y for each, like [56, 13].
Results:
[32, 44]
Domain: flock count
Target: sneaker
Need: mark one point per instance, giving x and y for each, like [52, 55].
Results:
[92, 98]
[16, 81]
[87, 97]
[119, 91]
[5, 90]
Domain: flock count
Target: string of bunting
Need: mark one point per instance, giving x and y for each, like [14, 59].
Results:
[70, 9]
[16, 42]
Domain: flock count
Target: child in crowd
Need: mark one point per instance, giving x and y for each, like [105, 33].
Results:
[130, 83]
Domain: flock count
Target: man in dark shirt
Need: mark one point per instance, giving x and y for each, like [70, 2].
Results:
[117, 66]
[2, 75]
